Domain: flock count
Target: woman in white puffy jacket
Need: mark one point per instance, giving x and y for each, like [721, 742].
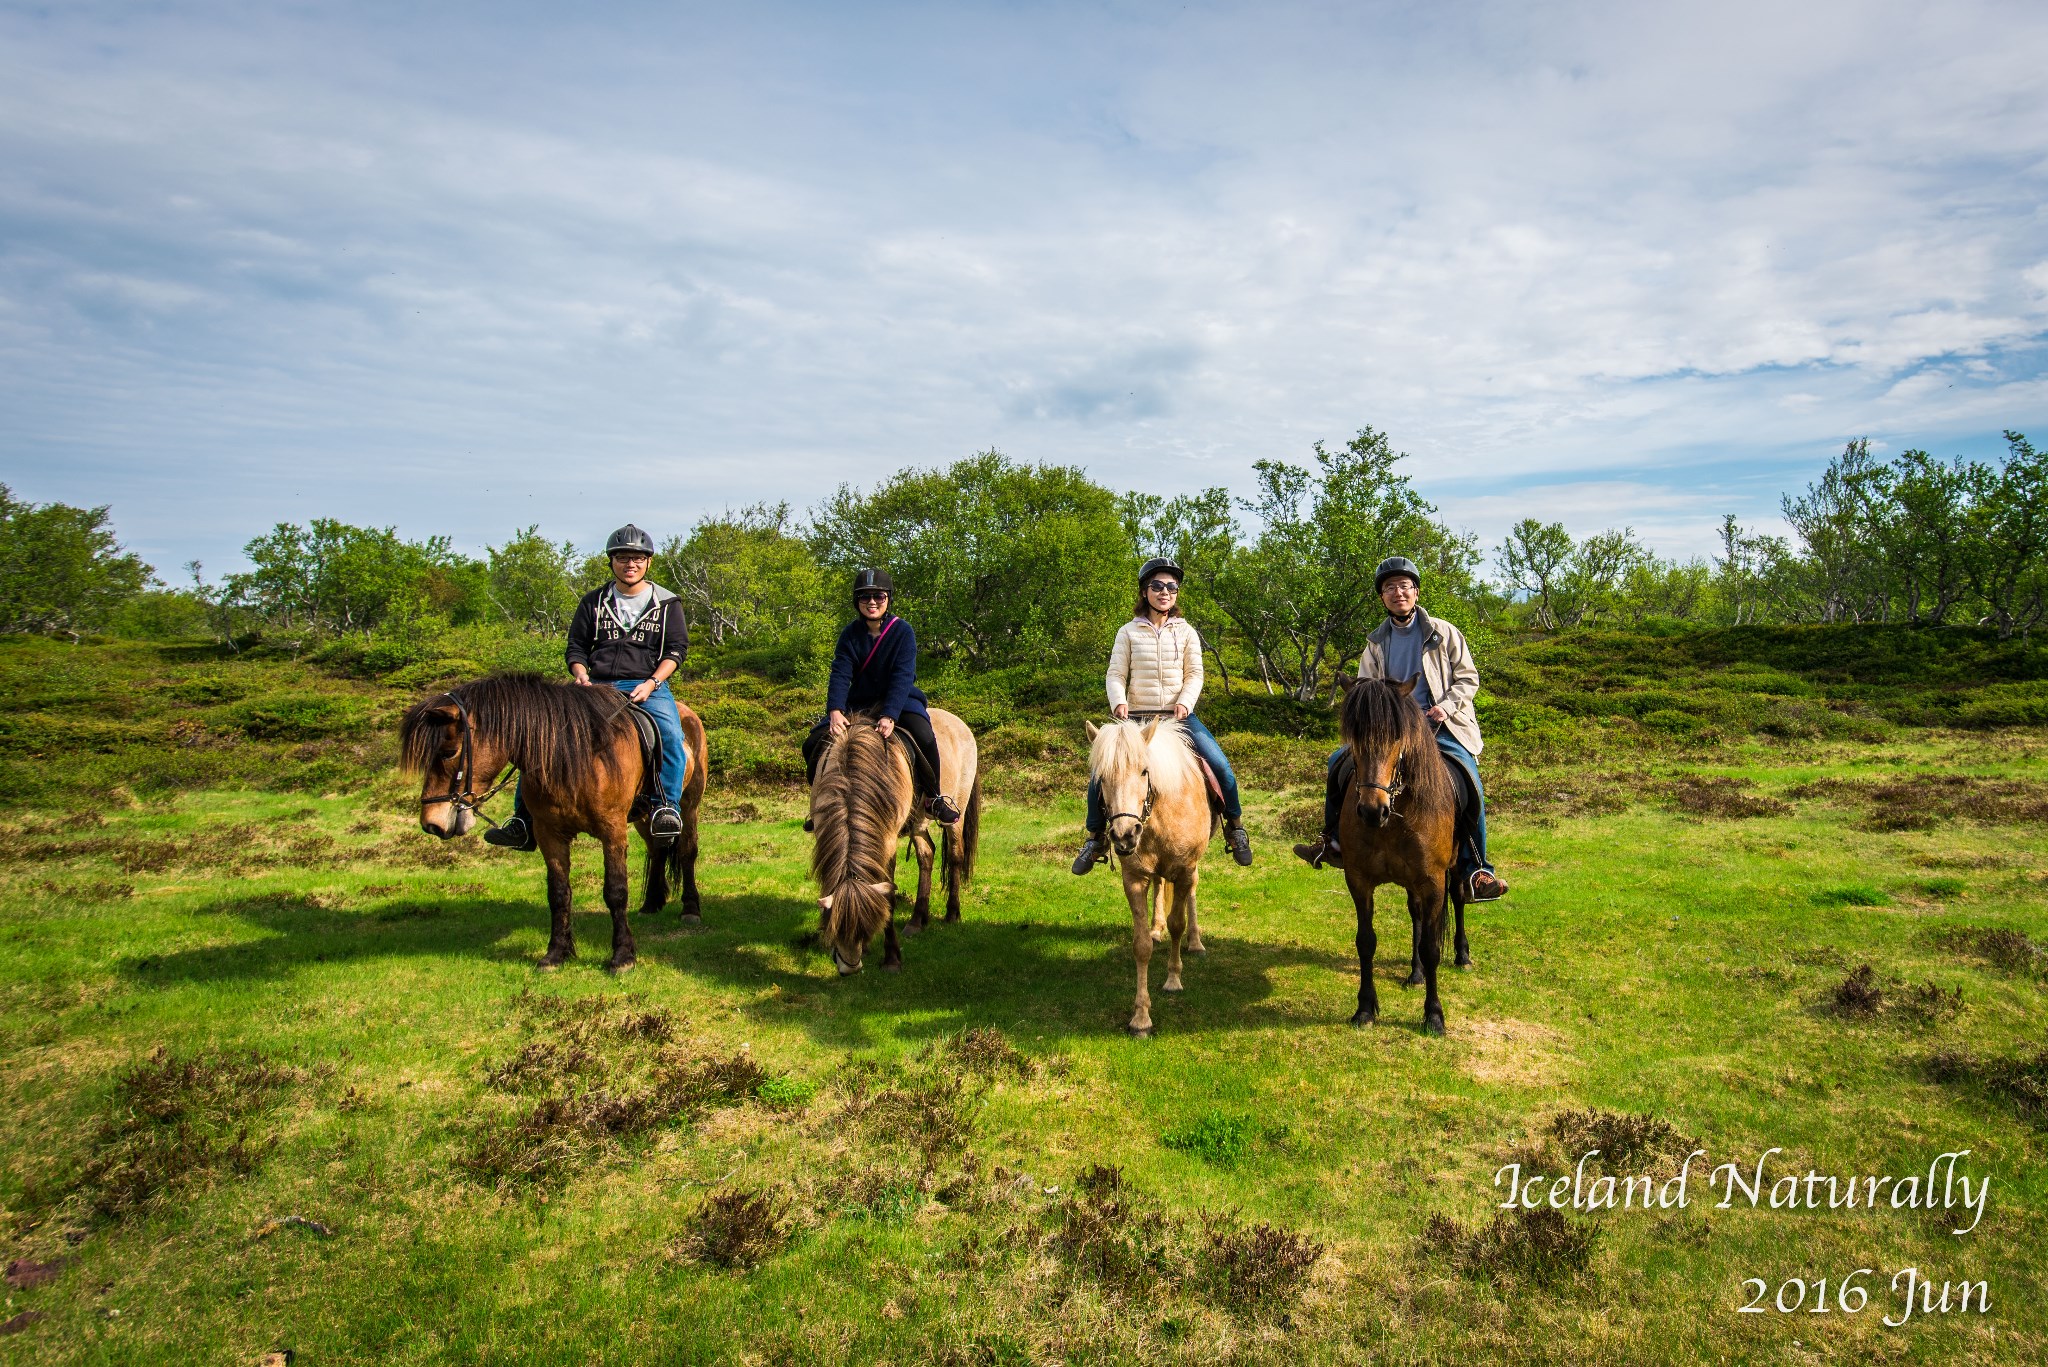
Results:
[1155, 669]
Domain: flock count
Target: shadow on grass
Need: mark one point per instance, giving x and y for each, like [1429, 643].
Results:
[1036, 979]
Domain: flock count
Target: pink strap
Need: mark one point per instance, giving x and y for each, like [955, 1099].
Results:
[887, 627]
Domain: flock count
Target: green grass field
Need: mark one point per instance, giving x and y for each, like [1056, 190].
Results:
[226, 1006]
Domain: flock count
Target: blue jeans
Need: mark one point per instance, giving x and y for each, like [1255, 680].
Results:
[1205, 746]
[675, 756]
[1471, 850]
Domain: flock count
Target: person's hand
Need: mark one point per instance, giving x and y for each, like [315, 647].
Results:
[885, 728]
[1436, 712]
[1122, 711]
[835, 722]
[582, 676]
[1179, 713]
[642, 691]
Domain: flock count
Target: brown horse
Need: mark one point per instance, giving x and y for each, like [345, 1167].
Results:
[1398, 825]
[862, 802]
[1159, 825]
[579, 755]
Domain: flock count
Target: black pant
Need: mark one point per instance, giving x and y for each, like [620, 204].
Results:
[916, 727]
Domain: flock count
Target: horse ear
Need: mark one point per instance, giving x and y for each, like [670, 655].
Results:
[1150, 727]
[825, 902]
[883, 887]
[446, 715]
[1093, 731]
[1406, 688]
[1346, 680]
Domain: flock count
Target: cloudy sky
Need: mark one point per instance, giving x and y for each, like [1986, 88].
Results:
[467, 267]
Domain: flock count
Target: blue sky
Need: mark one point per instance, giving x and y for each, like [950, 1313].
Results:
[462, 268]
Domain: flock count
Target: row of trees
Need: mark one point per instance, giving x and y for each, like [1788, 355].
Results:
[1002, 563]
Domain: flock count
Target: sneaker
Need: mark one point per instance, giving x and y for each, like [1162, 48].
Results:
[513, 835]
[1240, 842]
[942, 810]
[1486, 887]
[1093, 851]
[1321, 852]
[809, 826]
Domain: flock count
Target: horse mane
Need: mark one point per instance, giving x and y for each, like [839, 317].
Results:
[857, 798]
[552, 729]
[1120, 749]
[1376, 714]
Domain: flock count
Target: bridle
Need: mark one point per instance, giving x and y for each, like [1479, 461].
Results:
[461, 792]
[1392, 790]
[1143, 814]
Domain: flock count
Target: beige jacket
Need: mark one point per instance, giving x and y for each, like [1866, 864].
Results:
[1448, 668]
[1152, 668]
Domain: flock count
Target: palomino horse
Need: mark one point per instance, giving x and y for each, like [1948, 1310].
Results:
[863, 801]
[1159, 825]
[1398, 824]
[579, 755]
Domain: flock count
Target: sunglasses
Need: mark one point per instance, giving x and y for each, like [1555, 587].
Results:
[871, 596]
[1166, 586]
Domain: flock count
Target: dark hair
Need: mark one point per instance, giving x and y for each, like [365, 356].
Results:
[554, 730]
[1144, 605]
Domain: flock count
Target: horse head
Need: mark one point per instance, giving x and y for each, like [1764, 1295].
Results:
[437, 742]
[859, 800]
[1120, 759]
[1378, 728]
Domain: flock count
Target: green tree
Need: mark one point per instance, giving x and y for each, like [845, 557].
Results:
[1303, 588]
[1595, 576]
[61, 568]
[1923, 534]
[2006, 546]
[1838, 521]
[995, 562]
[1755, 580]
[1533, 560]
[532, 581]
[746, 577]
[1198, 533]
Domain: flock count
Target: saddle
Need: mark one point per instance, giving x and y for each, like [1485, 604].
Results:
[650, 795]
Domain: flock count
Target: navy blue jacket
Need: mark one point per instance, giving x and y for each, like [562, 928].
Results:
[888, 683]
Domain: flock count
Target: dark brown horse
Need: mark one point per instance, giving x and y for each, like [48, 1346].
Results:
[579, 756]
[1398, 824]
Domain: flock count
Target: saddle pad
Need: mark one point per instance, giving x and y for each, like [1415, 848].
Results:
[1209, 777]
[650, 750]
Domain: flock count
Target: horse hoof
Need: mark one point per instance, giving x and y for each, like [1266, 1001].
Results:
[1433, 1025]
[1413, 980]
[615, 966]
[547, 965]
[1170, 985]
[892, 968]
[1362, 1019]
[1139, 1031]
[1196, 948]
[952, 918]
[691, 918]
[1463, 964]
[910, 929]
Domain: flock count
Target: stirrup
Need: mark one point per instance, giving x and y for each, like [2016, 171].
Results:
[1322, 852]
[1472, 886]
[514, 834]
[941, 809]
[1094, 850]
[666, 823]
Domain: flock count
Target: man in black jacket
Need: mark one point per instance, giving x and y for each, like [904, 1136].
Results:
[631, 635]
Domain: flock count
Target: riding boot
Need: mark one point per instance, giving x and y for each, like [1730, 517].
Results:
[514, 834]
[1322, 852]
[1239, 840]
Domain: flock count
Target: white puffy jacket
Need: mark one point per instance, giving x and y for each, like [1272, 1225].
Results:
[1152, 668]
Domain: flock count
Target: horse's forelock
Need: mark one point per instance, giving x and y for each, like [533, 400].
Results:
[419, 739]
[1377, 715]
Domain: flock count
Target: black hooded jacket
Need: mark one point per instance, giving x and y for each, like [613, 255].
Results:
[600, 644]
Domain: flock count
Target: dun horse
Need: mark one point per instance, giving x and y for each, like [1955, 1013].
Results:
[579, 755]
[1159, 826]
[1398, 825]
[862, 802]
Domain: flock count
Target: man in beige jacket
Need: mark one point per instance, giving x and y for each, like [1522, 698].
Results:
[1411, 644]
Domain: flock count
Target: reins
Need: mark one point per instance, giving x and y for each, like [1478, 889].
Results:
[461, 792]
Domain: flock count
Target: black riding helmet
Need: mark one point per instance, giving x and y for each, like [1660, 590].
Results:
[631, 539]
[1154, 566]
[864, 580]
[1393, 565]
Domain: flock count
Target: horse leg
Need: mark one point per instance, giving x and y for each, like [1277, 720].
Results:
[1414, 978]
[1368, 945]
[956, 855]
[615, 891]
[892, 952]
[686, 859]
[554, 849]
[1426, 909]
[1180, 897]
[921, 913]
[1138, 892]
[1156, 899]
[1191, 943]
[1464, 959]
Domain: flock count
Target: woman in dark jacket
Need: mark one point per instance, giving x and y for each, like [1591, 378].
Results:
[875, 666]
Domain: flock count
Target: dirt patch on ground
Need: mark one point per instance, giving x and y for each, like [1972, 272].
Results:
[1512, 1053]
[1922, 801]
[1720, 796]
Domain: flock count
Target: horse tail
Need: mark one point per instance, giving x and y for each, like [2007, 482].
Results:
[969, 838]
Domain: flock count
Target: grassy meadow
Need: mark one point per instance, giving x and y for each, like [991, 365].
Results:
[280, 1074]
